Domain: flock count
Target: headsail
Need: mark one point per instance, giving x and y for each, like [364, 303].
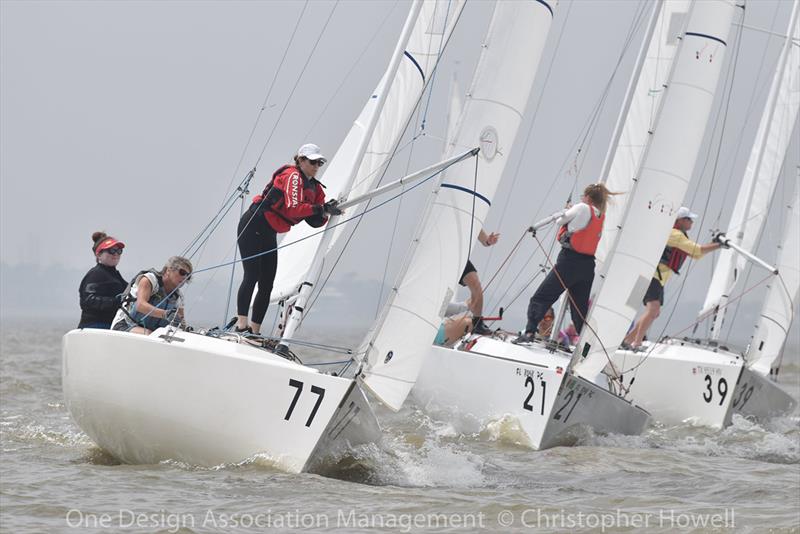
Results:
[761, 173]
[492, 112]
[662, 182]
[766, 348]
[637, 118]
[421, 54]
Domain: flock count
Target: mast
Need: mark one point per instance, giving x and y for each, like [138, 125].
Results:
[492, 111]
[663, 178]
[761, 175]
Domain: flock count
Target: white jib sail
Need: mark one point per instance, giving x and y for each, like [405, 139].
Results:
[493, 109]
[432, 29]
[761, 173]
[625, 154]
[768, 341]
[663, 179]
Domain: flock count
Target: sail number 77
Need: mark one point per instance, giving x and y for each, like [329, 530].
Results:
[298, 385]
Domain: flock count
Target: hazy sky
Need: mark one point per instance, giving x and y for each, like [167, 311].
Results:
[131, 117]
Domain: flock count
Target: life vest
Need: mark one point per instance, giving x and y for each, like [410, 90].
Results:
[288, 198]
[673, 257]
[158, 298]
[585, 240]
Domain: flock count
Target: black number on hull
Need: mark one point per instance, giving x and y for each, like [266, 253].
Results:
[722, 389]
[320, 395]
[295, 384]
[568, 399]
[744, 395]
[320, 392]
[526, 403]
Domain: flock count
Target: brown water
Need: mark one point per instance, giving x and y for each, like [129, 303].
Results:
[424, 475]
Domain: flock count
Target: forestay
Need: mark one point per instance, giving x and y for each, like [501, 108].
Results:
[432, 29]
[636, 120]
[761, 173]
[663, 179]
[455, 213]
[766, 348]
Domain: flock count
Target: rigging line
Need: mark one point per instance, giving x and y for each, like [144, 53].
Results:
[296, 83]
[438, 55]
[346, 77]
[395, 226]
[269, 93]
[518, 275]
[472, 214]
[240, 191]
[394, 153]
[574, 307]
[675, 336]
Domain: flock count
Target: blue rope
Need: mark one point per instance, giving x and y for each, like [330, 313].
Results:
[433, 74]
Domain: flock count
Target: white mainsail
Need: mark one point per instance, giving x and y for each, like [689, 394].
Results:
[766, 348]
[492, 112]
[662, 181]
[636, 120]
[761, 174]
[419, 58]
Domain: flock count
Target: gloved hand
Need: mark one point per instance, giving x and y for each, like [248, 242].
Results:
[171, 315]
[721, 238]
[332, 207]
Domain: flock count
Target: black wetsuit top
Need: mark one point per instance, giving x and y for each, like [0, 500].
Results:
[99, 291]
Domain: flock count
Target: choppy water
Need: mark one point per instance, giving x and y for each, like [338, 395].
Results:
[423, 475]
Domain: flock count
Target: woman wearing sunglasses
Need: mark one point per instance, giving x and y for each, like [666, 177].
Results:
[293, 195]
[154, 299]
[101, 288]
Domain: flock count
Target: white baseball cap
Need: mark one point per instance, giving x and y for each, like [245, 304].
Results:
[312, 152]
[685, 213]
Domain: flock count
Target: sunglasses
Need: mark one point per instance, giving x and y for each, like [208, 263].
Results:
[114, 251]
[316, 162]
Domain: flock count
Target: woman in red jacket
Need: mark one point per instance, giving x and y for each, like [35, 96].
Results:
[293, 195]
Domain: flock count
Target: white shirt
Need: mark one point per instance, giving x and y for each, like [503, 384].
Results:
[577, 217]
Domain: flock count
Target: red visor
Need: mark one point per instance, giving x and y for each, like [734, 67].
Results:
[107, 243]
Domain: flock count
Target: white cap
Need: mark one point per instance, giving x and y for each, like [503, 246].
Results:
[685, 213]
[311, 151]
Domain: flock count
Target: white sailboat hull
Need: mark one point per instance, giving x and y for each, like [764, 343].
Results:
[497, 379]
[206, 401]
[682, 382]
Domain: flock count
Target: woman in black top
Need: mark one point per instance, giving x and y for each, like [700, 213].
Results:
[102, 286]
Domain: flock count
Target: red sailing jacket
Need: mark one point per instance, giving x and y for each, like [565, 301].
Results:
[586, 239]
[290, 198]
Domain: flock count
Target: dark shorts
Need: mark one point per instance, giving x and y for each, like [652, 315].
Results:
[654, 292]
[468, 269]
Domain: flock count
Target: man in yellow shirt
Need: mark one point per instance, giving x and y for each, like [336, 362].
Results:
[678, 248]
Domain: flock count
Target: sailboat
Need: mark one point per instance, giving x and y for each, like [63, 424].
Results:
[210, 397]
[701, 380]
[555, 395]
